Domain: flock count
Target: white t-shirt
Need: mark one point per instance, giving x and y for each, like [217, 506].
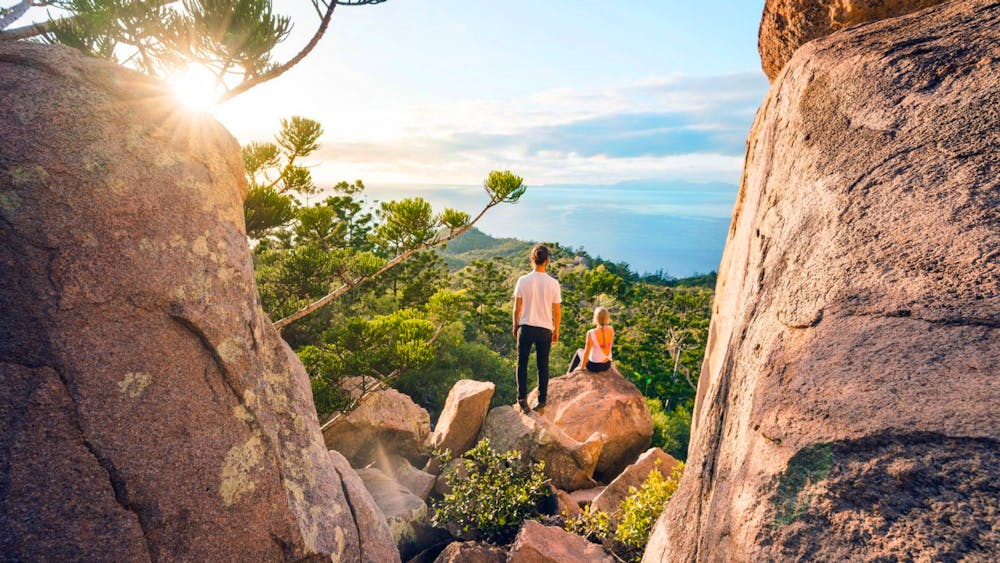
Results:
[538, 291]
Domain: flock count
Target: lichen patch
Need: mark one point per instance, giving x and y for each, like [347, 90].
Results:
[241, 461]
[134, 383]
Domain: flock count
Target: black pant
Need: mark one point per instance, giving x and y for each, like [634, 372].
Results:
[595, 367]
[542, 339]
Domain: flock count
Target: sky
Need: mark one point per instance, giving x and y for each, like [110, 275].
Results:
[627, 119]
[566, 91]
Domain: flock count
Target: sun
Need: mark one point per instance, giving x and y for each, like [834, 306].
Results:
[196, 87]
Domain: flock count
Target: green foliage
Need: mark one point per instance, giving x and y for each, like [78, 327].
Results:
[458, 358]
[639, 510]
[264, 209]
[595, 525]
[671, 431]
[491, 496]
[503, 186]
[234, 38]
[626, 531]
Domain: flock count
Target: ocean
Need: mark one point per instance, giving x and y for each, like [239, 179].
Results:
[677, 227]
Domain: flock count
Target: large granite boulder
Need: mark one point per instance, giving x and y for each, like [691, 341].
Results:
[653, 459]
[847, 408]
[464, 411]
[384, 422]
[788, 24]
[538, 543]
[583, 403]
[568, 462]
[149, 411]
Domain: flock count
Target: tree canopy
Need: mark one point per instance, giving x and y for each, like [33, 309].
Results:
[232, 39]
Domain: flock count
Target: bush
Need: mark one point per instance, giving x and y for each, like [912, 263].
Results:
[635, 516]
[492, 496]
[671, 431]
[639, 510]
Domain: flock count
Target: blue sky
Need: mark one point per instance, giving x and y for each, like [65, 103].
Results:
[442, 91]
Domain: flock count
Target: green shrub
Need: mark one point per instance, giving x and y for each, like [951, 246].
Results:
[492, 496]
[595, 525]
[635, 516]
[671, 430]
[639, 510]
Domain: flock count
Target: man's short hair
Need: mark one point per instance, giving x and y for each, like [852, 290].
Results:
[539, 254]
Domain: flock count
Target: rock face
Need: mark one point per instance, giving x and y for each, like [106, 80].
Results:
[387, 422]
[537, 543]
[654, 459]
[788, 24]
[569, 463]
[847, 407]
[583, 403]
[464, 411]
[149, 411]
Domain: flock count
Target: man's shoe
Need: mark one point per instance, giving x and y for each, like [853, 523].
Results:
[523, 403]
[540, 405]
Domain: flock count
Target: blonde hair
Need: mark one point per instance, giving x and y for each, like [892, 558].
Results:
[602, 317]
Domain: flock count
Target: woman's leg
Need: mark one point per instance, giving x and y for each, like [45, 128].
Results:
[576, 361]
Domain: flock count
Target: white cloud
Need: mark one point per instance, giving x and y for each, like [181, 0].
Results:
[678, 127]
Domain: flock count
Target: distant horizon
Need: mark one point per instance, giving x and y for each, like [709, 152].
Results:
[678, 228]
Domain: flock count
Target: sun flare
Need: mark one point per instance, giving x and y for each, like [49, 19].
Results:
[196, 87]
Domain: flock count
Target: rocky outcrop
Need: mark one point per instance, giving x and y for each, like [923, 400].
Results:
[788, 24]
[847, 404]
[460, 421]
[149, 411]
[385, 422]
[654, 459]
[583, 403]
[568, 462]
[537, 543]
[472, 552]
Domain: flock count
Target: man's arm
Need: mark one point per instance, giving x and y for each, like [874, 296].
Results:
[516, 316]
[556, 320]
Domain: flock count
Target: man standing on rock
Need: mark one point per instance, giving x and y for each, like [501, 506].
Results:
[537, 314]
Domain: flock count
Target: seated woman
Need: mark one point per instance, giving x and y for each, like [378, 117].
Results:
[597, 350]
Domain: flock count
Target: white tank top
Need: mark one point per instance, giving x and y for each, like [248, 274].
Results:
[596, 354]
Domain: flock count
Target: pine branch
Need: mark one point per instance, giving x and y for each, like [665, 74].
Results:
[281, 69]
[335, 294]
[380, 384]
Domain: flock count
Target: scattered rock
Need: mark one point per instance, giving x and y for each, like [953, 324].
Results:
[149, 410]
[536, 543]
[788, 24]
[567, 506]
[472, 552]
[584, 497]
[583, 403]
[654, 459]
[462, 417]
[420, 483]
[405, 512]
[569, 463]
[855, 319]
[377, 543]
[386, 422]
